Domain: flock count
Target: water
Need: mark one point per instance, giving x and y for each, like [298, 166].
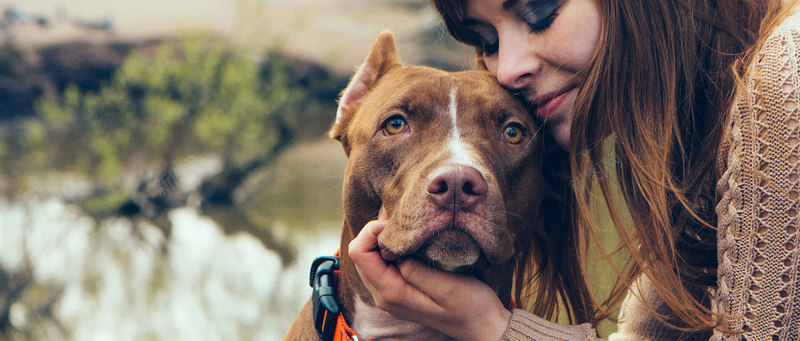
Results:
[210, 279]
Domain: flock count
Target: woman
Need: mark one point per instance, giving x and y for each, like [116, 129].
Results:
[699, 98]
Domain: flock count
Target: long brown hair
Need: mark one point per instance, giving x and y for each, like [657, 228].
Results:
[661, 83]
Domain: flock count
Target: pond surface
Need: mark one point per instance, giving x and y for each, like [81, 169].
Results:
[234, 273]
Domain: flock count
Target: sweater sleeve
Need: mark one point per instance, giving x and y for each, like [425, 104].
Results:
[758, 282]
[526, 326]
[636, 322]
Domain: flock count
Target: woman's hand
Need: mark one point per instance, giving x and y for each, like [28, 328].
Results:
[459, 306]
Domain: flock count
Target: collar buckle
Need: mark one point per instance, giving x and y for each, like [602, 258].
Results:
[326, 310]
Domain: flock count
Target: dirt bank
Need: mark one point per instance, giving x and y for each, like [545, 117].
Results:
[337, 33]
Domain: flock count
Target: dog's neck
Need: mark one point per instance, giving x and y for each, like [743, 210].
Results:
[372, 323]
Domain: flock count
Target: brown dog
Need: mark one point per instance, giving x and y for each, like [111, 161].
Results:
[456, 162]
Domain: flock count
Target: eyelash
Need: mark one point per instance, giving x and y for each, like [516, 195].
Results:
[543, 24]
[536, 27]
[489, 50]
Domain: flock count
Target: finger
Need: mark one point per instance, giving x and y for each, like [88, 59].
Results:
[367, 240]
[433, 282]
[383, 280]
[386, 253]
[372, 268]
[382, 214]
[457, 300]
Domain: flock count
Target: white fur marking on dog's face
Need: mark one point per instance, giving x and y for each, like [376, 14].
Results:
[459, 151]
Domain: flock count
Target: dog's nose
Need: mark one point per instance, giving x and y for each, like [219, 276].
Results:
[456, 186]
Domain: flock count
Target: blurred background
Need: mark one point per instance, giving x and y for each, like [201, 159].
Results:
[164, 168]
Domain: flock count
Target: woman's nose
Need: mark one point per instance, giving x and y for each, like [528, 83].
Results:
[517, 64]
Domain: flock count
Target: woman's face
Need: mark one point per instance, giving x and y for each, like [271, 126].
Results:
[539, 49]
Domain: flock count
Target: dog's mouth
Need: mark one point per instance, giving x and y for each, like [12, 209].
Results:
[468, 241]
[450, 250]
[454, 234]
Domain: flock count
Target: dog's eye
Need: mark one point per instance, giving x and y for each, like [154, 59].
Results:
[395, 126]
[513, 133]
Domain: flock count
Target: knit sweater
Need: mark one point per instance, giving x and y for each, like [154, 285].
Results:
[758, 281]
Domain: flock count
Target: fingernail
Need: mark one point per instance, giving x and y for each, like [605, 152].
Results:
[387, 254]
[382, 215]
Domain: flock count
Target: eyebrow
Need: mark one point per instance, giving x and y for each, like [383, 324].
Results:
[509, 3]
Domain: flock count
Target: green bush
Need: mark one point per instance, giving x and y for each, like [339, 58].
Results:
[191, 96]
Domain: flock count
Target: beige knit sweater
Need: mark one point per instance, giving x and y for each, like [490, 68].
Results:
[758, 278]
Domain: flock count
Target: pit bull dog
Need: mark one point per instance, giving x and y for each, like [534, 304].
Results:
[456, 162]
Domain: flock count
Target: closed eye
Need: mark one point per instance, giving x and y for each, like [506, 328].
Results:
[488, 38]
[539, 14]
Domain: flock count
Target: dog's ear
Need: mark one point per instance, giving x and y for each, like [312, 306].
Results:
[382, 58]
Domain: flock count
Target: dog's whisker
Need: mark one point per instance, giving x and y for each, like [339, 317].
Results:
[332, 188]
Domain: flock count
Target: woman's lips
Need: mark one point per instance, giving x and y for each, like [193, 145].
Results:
[548, 104]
